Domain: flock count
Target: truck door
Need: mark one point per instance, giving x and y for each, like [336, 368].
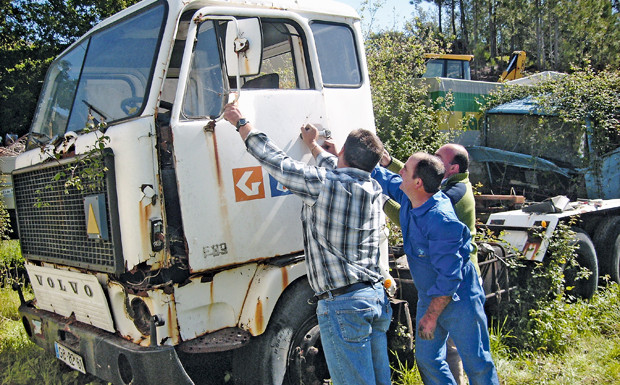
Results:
[232, 210]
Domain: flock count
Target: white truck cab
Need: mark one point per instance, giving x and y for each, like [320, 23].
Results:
[184, 244]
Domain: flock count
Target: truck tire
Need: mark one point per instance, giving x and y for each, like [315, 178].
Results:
[586, 257]
[607, 243]
[289, 352]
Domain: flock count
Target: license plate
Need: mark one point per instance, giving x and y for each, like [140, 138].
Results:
[69, 357]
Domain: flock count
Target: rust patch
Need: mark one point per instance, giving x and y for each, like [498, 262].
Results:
[220, 185]
[246, 64]
[258, 316]
[218, 169]
[145, 215]
[211, 291]
[285, 281]
[171, 331]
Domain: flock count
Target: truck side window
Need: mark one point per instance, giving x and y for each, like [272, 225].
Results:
[282, 65]
[283, 59]
[337, 53]
[205, 88]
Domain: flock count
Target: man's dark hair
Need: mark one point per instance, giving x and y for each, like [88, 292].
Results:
[461, 158]
[430, 169]
[363, 149]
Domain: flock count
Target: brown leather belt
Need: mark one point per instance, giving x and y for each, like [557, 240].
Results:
[343, 290]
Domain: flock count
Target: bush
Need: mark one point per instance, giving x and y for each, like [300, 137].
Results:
[11, 263]
[540, 316]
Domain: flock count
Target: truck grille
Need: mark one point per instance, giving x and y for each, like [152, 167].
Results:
[52, 222]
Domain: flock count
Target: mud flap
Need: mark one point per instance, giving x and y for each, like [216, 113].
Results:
[401, 333]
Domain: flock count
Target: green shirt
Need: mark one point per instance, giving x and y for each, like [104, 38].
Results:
[458, 188]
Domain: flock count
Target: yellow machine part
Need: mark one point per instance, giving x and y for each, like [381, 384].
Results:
[516, 64]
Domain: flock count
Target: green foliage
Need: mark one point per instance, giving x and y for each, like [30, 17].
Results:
[24, 363]
[588, 100]
[10, 302]
[555, 34]
[590, 358]
[404, 373]
[86, 174]
[539, 314]
[11, 263]
[21, 361]
[5, 222]
[406, 121]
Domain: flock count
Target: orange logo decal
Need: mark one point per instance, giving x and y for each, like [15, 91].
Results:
[248, 183]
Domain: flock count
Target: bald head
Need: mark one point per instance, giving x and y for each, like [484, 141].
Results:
[454, 157]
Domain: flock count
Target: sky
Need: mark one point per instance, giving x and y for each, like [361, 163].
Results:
[392, 14]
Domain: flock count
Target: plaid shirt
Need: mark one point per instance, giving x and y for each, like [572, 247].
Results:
[340, 214]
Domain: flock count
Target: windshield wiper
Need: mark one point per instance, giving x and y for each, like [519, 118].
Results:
[95, 109]
[36, 137]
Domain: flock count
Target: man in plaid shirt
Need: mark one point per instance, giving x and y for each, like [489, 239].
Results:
[340, 217]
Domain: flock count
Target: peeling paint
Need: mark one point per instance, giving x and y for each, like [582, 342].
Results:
[145, 215]
[285, 280]
[259, 319]
[170, 324]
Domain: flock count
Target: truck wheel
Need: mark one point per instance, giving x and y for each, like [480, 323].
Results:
[586, 257]
[289, 352]
[607, 243]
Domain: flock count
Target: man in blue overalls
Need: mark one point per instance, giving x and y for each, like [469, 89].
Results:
[450, 297]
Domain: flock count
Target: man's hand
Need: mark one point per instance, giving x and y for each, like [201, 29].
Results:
[428, 322]
[309, 134]
[426, 327]
[386, 159]
[232, 113]
[330, 147]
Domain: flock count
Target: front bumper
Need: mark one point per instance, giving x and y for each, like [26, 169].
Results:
[105, 355]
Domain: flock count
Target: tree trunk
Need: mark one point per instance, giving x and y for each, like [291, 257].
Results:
[464, 27]
[475, 11]
[539, 36]
[453, 17]
[492, 30]
[556, 43]
[439, 7]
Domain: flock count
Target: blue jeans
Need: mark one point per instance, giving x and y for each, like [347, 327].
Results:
[353, 327]
[466, 322]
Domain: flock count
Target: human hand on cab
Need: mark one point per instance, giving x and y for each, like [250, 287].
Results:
[232, 113]
[309, 134]
[330, 147]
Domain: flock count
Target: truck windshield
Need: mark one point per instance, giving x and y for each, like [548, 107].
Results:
[105, 77]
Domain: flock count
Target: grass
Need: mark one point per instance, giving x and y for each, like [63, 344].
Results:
[21, 361]
[592, 356]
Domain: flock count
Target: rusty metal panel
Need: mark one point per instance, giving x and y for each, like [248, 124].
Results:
[267, 287]
[157, 302]
[208, 306]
